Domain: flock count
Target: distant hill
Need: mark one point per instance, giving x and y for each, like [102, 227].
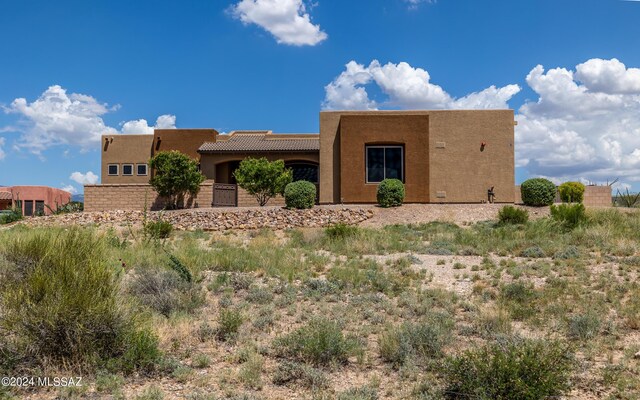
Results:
[78, 197]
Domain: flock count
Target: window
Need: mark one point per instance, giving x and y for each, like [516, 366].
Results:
[142, 169]
[113, 169]
[28, 208]
[384, 162]
[39, 207]
[127, 169]
[304, 172]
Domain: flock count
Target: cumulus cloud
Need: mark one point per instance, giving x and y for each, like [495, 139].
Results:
[84, 179]
[70, 189]
[405, 87]
[60, 118]
[584, 124]
[287, 20]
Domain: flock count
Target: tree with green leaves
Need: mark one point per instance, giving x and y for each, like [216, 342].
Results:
[175, 175]
[262, 178]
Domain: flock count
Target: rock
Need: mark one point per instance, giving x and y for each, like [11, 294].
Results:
[637, 355]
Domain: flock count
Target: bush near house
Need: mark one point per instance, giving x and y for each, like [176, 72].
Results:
[513, 215]
[569, 215]
[175, 176]
[300, 195]
[571, 192]
[262, 178]
[390, 193]
[538, 192]
[9, 216]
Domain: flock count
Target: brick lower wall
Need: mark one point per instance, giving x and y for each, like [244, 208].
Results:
[594, 196]
[247, 200]
[132, 196]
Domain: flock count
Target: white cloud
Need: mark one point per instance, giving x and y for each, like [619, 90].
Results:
[287, 20]
[140, 126]
[413, 4]
[70, 189]
[2, 153]
[84, 179]
[406, 87]
[60, 118]
[584, 124]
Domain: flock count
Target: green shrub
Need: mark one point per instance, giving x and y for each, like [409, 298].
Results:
[61, 301]
[300, 195]
[319, 342]
[262, 178]
[229, 323]
[293, 372]
[390, 193]
[175, 175]
[519, 298]
[9, 216]
[164, 291]
[340, 231]
[417, 342]
[513, 215]
[571, 192]
[538, 192]
[583, 326]
[533, 252]
[570, 216]
[568, 253]
[517, 369]
[159, 229]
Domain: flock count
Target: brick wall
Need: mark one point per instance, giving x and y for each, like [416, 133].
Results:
[132, 197]
[594, 196]
[247, 200]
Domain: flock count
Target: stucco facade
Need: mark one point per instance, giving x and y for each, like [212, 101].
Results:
[34, 200]
[449, 156]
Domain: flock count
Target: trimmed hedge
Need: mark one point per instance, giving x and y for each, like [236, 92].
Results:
[571, 192]
[300, 195]
[538, 192]
[390, 193]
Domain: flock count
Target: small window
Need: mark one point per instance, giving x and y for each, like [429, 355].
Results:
[127, 169]
[39, 207]
[28, 208]
[142, 169]
[384, 162]
[113, 169]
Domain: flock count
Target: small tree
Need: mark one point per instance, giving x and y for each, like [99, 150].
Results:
[262, 178]
[175, 175]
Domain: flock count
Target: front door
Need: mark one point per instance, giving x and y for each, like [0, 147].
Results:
[225, 195]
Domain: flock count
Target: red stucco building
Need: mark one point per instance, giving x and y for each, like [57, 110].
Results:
[33, 200]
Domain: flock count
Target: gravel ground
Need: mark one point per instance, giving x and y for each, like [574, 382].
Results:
[461, 214]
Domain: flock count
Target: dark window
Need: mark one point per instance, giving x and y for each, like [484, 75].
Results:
[28, 208]
[304, 172]
[127, 169]
[384, 162]
[39, 207]
[113, 169]
[142, 169]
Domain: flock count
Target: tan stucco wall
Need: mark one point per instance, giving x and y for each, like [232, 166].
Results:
[208, 162]
[186, 141]
[460, 169]
[133, 197]
[125, 149]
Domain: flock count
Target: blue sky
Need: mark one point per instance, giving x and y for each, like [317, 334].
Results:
[71, 70]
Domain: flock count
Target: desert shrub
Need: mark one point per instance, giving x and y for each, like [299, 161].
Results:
[390, 193]
[583, 326]
[571, 192]
[296, 373]
[340, 231]
[164, 291]
[229, 323]
[626, 199]
[538, 192]
[259, 295]
[319, 342]
[519, 299]
[568, 253]
[62, 303]
[181, 269]
[359, 393]
[159, 229]
[70, 207]
[570, 216]
[513, 215]
[533, 252]
[415, 341]
[7, 217]
[300, 195]
[516, 369]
